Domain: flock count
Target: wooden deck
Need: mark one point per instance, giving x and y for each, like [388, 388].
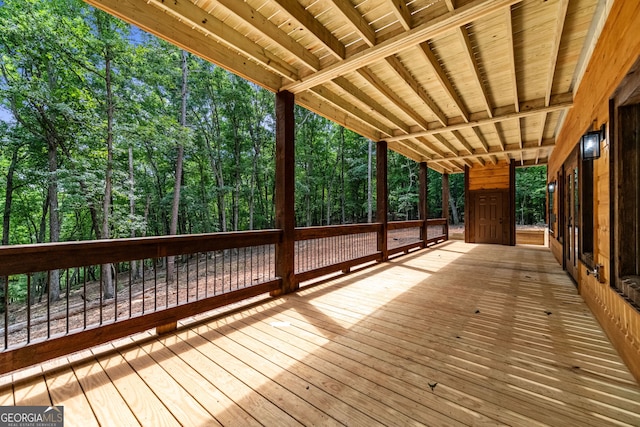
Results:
[455, 335]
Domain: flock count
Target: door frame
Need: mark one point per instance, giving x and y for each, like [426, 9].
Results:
[571, 214]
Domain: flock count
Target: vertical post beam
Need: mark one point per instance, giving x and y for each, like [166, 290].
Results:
[512, 204]
[423, 198]
[445, 203]
[382, 197]
[284, 191]
[469, 221]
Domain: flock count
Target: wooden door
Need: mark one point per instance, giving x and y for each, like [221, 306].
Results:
[490, 222]
[571, 215]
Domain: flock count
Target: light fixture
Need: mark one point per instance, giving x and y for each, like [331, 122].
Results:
[551, 187]
[590, 144]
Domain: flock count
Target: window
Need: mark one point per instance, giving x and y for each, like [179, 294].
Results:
[586, 214]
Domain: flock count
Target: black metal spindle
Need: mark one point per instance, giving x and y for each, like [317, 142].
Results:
[48, 303]
[85, 296]
[6, 312]
[67, 300]
[28, 307]
[102, 279]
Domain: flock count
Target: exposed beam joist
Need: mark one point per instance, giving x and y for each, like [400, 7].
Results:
[529, 146]
[381, 87]
[153, 20]
[359, 24]
[526, 110]
[298, 13]
[270, 31]
[406, 76]
[481, 138]
[442, 78]
[458, 136]
[512, 58]
[438, 26]
[402, 12]
[196, 18]
[563, 5]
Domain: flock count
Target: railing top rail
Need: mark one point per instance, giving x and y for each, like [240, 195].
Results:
[398, 225]
[21, 259]
[306, 233]
[437, 221]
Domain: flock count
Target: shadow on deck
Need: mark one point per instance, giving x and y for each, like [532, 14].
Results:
[456, 335]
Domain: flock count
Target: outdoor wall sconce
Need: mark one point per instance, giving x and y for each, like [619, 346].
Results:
[590, 144]
[551, 187]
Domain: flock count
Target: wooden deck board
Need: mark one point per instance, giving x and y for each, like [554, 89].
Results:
[501, 330]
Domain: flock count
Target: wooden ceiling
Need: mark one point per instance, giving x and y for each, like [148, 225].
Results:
[449, 82]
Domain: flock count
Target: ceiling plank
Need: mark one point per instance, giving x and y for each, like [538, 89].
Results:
[158, 23]
[305, 19]
[406, 151]
[481, 161]
[270, 31]
[474, 10]
[382, 87]
[408, 78]
[442, 78]
[402, 12]
[430, 146]
[359, 24]
[524, 112]
[194, 17]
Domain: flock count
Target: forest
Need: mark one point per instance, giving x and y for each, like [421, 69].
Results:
[108, 132]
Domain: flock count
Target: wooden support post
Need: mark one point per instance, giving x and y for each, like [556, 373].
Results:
[512, 204]
[284, 192]
[445, 203]
[423, 197]
[468, 212]
[382, 197]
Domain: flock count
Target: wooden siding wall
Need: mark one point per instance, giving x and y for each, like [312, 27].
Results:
[615, 53]
[490, 177]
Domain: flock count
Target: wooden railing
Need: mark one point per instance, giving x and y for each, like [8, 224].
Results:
[158, 281]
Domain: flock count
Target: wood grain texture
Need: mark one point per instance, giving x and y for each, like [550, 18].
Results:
[499, 332]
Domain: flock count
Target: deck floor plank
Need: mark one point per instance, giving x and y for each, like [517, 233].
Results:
[65, 389]
[178, 401]
[501, 330]
[106, 402]
[148, 408]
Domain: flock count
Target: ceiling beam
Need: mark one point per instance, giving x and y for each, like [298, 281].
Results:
[442, 78]
[402, 12]
[474, 10]
[156, 22]
[382, 87]
[270, 31]
[446, 144]
[359, 24]
[187, 13]
[481, 138]
[524, 112]
[475, 68]
[529, 146]
[512, 58]
[408, 78]
[298, 13]
[555, 46]
[458, 136]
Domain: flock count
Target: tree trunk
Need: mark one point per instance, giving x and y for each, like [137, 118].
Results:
[454, 209]
[8, 197]
[107, 277]
[135, 265]
[54, 222]
[176, 191]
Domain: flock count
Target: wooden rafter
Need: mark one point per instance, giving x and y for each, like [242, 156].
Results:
[443, 141]
[475, 67]
[402, 12]
[270, 31]
[524, 112]
[555, 47]
[512, 58]
[514, 150]
[481, 138]
[462, 16]
[461, 139]
[443, 79]
[359, 24]
[299, 14]
[381, 87]
[406, 77]
[154, 21]
[227, 36]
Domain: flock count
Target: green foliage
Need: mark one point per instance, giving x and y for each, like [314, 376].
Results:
[531, 195]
